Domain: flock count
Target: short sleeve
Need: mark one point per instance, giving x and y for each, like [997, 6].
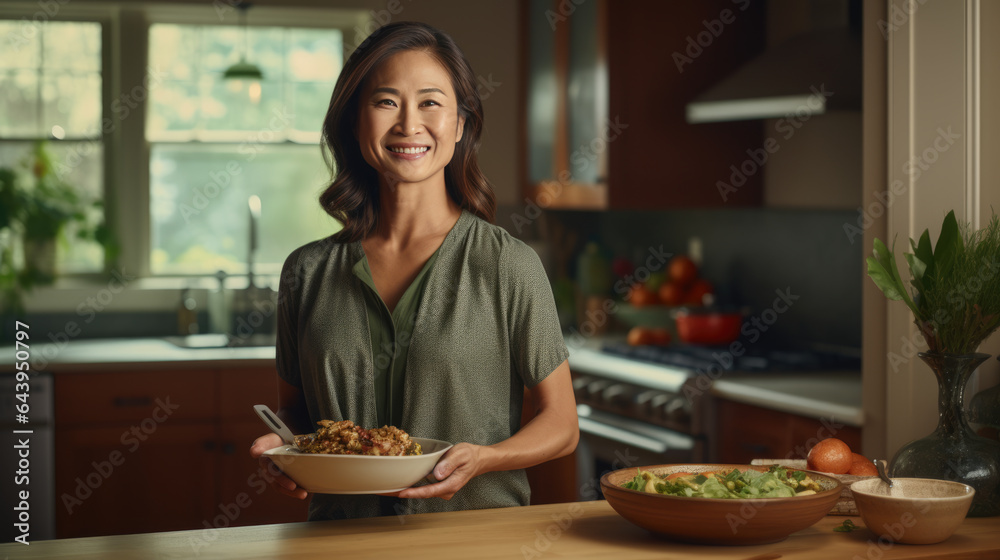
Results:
[536, 342]
[287, 343]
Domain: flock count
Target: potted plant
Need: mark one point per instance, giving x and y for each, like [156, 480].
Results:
[38, 205]
[955, 305]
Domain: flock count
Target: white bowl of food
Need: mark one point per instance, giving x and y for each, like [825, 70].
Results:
[914, 510]
[342, 459]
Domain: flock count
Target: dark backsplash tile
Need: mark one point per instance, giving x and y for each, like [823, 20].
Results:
[749, 254]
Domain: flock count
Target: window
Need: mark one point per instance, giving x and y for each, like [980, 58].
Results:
[212, 145]
[50, 89]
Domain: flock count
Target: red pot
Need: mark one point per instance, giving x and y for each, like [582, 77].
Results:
[712, 328]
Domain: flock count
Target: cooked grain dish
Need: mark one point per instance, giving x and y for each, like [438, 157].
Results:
[345, 438]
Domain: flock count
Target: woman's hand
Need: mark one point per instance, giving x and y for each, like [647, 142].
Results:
[453, 471]
[272, 472]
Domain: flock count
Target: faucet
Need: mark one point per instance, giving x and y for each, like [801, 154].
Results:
[254, 203]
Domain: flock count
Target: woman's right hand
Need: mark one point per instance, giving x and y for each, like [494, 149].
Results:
[272, 472]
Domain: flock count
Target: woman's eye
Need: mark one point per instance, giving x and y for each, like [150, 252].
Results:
[386, 102]
[432, 102]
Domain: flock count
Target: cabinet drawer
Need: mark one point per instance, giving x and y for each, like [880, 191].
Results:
[131, 397]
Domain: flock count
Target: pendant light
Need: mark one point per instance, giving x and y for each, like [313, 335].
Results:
[243, 74]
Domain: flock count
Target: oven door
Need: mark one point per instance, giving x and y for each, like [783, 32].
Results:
[609, 442]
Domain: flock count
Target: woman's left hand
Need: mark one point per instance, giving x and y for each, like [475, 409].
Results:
[453, 471]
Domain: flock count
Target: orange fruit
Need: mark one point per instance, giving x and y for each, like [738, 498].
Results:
[640, 296]
[640, 336]
[671, 293]
[831, 456]
[861, 466]
[682, 270]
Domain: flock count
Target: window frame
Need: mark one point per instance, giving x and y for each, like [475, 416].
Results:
[126, 151]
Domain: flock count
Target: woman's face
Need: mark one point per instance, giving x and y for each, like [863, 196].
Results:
[408, 123]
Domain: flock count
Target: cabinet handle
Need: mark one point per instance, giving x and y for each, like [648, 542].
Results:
[209, 445]
[125, 402]
[229, 448]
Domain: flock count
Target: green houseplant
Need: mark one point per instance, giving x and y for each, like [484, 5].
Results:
[38, 205]
[956, 306]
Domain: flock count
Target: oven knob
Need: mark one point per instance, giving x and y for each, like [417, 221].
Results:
[596, 388]
[616, 395]
[658, 402]
[677, 410]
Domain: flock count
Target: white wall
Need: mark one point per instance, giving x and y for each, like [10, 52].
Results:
[939, 66]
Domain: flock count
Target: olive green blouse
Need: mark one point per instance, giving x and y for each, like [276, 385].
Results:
[485, 328]
[391, 334]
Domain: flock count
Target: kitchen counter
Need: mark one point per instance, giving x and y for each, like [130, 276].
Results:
[571, 530]
[130, 353]
[815, 395]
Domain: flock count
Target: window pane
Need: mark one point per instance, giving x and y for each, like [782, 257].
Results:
[172, 48]
[173, 106]
[198, 205]
[81, 165]
[315, 55]
[19, 103]
[72, 46]
[226, 106]
[300, 67]
[20, 45]
[73, 102]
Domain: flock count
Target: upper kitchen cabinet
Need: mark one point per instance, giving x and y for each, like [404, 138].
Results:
[606, 85]
[566, 103]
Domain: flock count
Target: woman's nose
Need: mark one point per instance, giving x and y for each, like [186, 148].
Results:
[409, 122]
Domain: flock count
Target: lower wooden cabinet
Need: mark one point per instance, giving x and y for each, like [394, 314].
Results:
[147, 451]
[746, 432]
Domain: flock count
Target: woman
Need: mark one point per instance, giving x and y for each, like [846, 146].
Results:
[420, 313]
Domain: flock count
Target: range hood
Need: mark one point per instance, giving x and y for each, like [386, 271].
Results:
[809, 74]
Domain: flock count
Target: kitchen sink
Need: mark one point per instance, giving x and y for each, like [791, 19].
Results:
[213, 340]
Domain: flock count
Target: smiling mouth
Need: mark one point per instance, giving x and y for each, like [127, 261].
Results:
[419, 150]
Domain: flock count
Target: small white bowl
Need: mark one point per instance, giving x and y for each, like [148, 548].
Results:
[914, 510]
[357, 474]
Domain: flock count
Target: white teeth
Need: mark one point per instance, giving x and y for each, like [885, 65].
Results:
[419, 150]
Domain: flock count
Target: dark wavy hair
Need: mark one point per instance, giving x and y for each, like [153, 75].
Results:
[353, 196]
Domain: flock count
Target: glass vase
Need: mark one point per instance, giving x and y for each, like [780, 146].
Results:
[954, 451]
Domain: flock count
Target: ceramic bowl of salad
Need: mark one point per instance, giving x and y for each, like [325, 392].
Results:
[721, 503]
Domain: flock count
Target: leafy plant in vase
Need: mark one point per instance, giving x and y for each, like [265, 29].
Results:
[956, 306]
[38, 205]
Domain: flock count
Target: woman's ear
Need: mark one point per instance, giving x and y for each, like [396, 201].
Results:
[461, 129]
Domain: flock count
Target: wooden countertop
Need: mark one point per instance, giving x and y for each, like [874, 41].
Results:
[573, 530]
